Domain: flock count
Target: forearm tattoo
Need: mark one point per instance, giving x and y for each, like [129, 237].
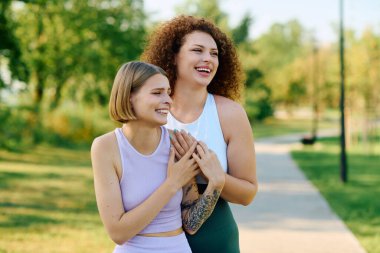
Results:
[190, 187]
[197, 211]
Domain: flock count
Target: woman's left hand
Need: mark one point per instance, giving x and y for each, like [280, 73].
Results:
[181, 141]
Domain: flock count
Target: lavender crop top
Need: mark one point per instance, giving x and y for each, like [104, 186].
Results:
[142, 175]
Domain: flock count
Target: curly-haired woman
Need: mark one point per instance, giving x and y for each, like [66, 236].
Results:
[206, 80]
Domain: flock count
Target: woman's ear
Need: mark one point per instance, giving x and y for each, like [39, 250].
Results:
[131, 99]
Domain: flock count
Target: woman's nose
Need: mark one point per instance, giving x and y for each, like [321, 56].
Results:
[168, 99]
[206, 57]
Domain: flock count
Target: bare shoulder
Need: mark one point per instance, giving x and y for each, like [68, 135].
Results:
[105, 142]
[232, 116]
[228, 106]
[105, 149]
[229, 109]
[105, 154]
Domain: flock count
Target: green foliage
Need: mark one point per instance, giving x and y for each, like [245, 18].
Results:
[72, 50]
[258, 102]
[277, 49]
[281, 44]
[207, 9]
[296, 91]
[67, 126]
[241, 32]
[68, 52]
[67, 43]
[9, 46]
[17, 127]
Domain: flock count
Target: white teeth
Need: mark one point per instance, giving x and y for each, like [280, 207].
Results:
[204, 70]
[163, 111]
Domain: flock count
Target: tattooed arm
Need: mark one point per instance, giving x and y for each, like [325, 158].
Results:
[197, 208]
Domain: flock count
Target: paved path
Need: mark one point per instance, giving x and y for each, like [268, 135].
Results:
[288, 214]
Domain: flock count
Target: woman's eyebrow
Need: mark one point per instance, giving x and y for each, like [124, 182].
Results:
[160, 88]
[214, 48]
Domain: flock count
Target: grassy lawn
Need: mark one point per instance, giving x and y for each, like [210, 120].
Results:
[276, 127]
[356, 202]
[47, 203]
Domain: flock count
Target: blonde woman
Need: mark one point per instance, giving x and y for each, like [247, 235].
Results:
[138, 184]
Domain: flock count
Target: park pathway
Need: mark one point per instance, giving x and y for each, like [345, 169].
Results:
[289, 215]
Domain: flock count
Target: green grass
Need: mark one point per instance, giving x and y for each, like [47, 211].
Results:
[47, 202]
[356, 202]
[276, 127]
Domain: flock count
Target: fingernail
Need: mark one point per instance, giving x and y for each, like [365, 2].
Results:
[175, 130]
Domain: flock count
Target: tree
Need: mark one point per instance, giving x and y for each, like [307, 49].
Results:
[9, 46]
[363, 78]
[240, 33]
[258, 96]
[277, 50]
[207, 9]
[73, 48]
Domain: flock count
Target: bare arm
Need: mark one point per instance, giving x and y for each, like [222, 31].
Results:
[241, 181]
[121, 225]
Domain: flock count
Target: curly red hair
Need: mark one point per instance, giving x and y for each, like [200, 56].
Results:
[166, 41]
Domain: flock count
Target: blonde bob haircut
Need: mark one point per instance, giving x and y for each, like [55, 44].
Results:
[130, 77]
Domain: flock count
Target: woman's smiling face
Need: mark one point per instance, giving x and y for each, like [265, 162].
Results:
[197, 60]
[151, 102]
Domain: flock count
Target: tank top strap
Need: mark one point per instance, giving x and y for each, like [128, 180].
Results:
[211, 109]
[210, 117]
[127, 151]
[123, 150]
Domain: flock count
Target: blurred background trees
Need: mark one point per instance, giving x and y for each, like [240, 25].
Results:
[63, 56]
[58, 60]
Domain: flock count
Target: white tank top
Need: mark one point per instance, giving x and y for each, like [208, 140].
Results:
[207, 129]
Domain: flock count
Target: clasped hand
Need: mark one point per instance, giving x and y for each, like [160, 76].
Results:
[205, 158]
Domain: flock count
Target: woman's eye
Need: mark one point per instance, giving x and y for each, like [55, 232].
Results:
[197, 50]
[215, 54]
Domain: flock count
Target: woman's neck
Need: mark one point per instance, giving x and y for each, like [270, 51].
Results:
[188, 102]
[142, 137]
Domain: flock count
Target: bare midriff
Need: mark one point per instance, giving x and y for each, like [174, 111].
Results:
[164, 234]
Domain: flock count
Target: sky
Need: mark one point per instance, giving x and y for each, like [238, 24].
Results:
[319, 16]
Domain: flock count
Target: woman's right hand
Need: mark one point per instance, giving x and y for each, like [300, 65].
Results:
[210, 166]
[179, 173]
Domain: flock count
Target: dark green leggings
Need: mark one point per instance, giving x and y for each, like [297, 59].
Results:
[219, 233]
